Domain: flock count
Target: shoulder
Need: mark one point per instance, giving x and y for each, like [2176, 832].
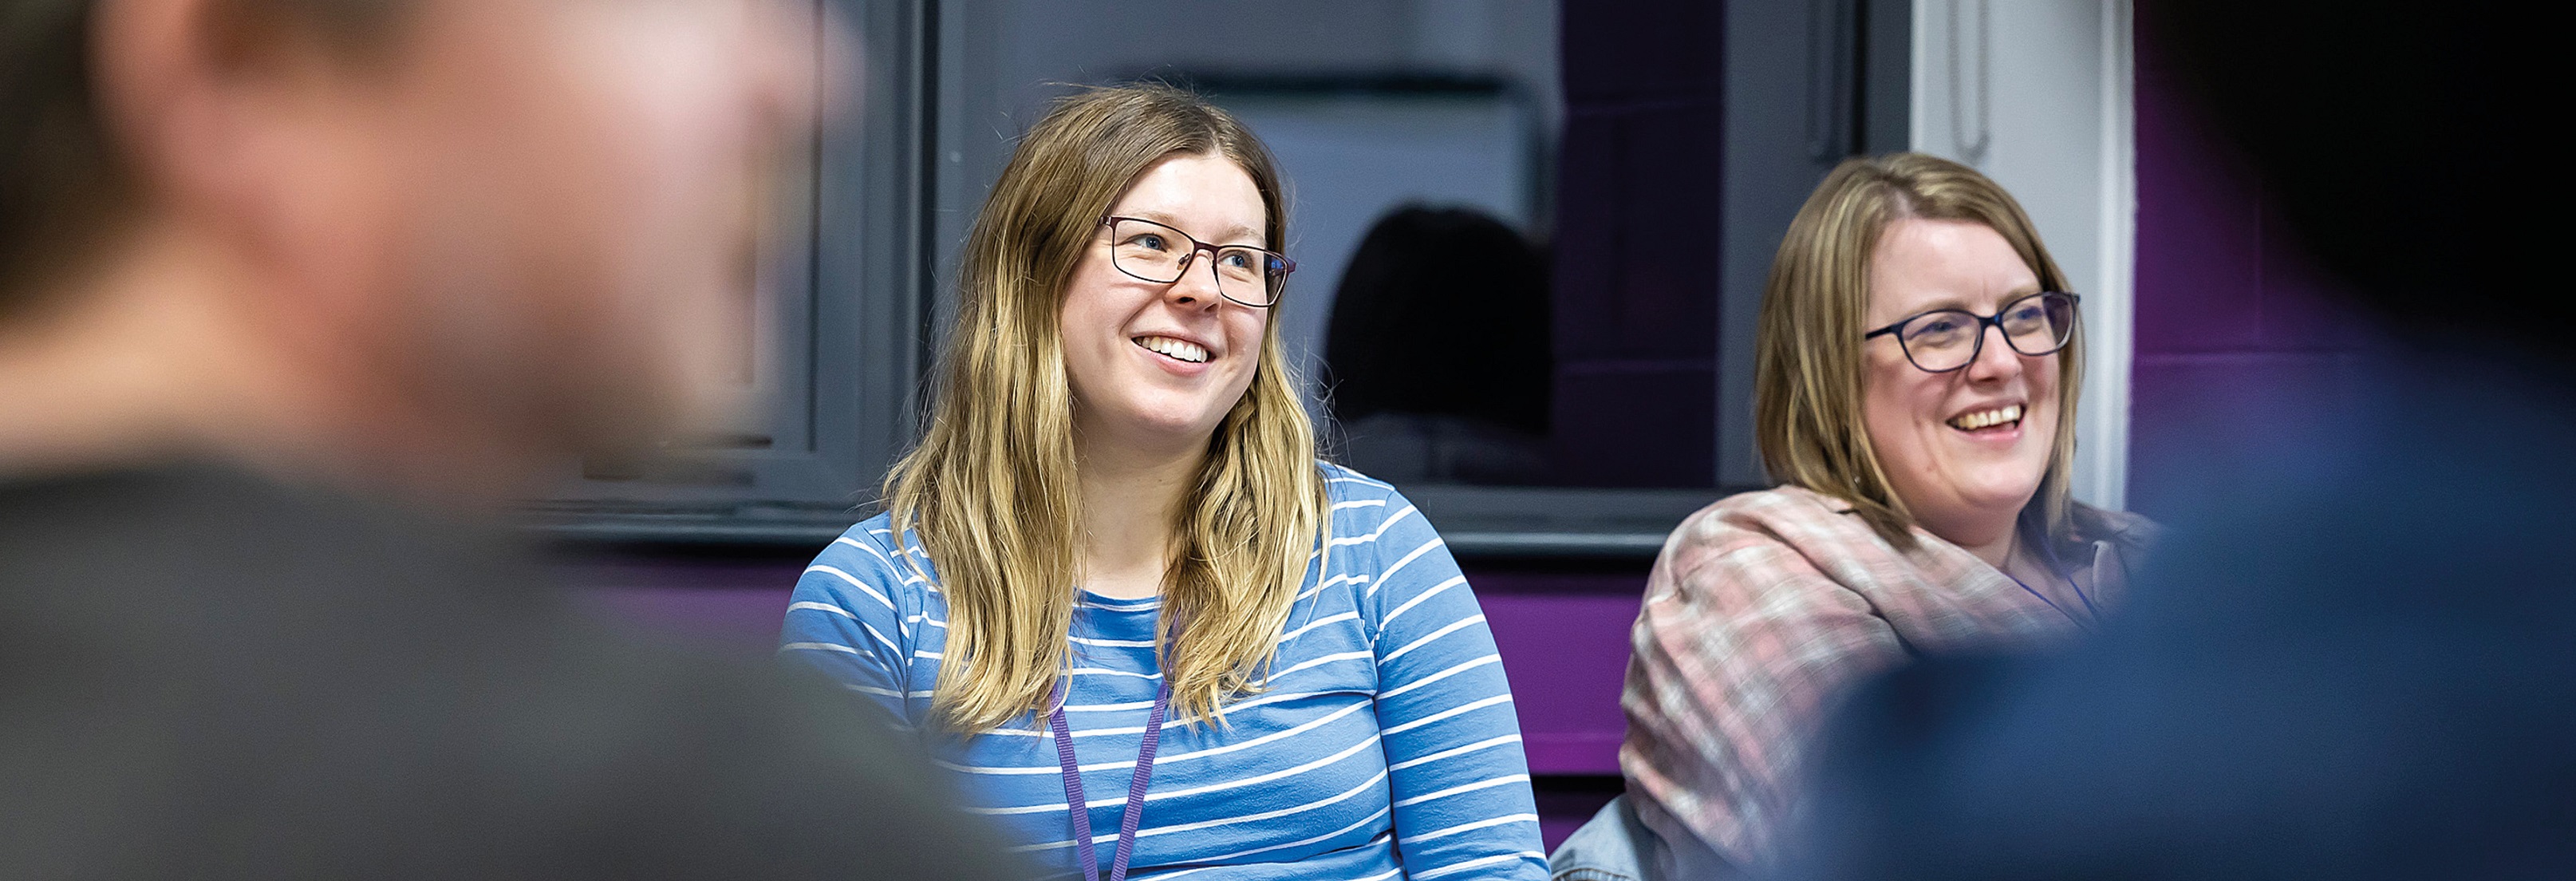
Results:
[1342, 484]
[1363, 506]
[2132, 533]
[1766, 540]
[1366, 512]
[1378, 537]
[871, 540]
[1785, 515]
[868, 557]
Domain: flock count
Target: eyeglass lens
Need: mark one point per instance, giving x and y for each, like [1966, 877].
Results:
[1159, 254]
[1948, 340]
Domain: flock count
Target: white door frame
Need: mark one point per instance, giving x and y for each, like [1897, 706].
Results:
[2038, 94]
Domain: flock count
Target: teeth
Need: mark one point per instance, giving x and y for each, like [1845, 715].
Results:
[1985, 418]
[1179, 350]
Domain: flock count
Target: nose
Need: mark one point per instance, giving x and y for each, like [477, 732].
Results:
[1194, 288]
[1996, 359]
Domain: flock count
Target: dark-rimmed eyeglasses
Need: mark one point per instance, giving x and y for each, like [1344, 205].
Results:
[1157, 253]
[1944, 340]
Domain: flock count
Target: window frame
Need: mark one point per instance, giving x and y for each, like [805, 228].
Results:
[850, 278]
[907, 176]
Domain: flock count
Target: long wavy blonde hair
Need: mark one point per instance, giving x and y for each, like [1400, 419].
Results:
[991, 491]
[1807, 361]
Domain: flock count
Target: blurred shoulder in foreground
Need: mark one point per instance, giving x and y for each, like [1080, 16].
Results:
[207, 674]
[2358, 661]
[2357, 658]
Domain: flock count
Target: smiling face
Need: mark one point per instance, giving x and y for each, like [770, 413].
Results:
[1157, 366]
[1965, 447]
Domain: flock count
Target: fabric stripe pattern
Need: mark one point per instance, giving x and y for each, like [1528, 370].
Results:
[1386, 719]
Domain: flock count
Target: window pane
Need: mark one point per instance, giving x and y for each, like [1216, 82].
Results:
[1381, 114]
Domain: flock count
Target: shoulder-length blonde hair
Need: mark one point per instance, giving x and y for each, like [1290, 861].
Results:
[991, 491]
[1808, 364]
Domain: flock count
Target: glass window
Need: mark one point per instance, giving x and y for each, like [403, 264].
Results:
[1531, 241]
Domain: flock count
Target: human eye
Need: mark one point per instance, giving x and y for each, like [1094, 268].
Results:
[1933, 326]
[1149, 240]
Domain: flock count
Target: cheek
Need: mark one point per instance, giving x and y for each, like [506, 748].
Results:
[1897, 404]
[2044, 383]
[1246, 331]
[1088, 321]
[1089, 308]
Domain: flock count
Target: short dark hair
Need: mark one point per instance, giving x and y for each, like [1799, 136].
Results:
[60, 183]
[63, 181]
[1479, 281]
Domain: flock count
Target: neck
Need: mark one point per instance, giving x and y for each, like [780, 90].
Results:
[163, 353]
[1131, 499]
[1989, 537]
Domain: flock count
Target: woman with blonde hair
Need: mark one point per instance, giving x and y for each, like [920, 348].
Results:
[1113, 574]
[1916, 371]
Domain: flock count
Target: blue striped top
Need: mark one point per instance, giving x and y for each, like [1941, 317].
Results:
[1384, 747]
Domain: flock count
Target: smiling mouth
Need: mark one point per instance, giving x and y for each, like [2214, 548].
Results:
[2008, 416]
[1177, 350]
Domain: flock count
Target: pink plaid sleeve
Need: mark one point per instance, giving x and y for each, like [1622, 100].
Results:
[1741, 644]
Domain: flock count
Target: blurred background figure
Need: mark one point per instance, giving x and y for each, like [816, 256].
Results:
[1436, 359]
[2357, 657]
[293, 295]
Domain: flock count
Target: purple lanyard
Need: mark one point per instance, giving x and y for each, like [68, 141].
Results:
[1080, 807]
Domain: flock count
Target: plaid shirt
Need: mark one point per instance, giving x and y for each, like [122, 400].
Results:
[1762, 607]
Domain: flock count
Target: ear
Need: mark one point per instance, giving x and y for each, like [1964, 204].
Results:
[244, 125]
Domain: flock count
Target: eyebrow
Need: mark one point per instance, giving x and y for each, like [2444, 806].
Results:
[1238, 231]
[1955, 303]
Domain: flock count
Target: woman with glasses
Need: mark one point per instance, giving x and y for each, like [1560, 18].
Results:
[1916, 373]
[1113, 575]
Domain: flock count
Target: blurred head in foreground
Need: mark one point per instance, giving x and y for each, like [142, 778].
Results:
[272, 264]
[429, 242]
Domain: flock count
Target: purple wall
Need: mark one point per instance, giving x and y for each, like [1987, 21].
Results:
[2233, 332]
[1564, 639]
[1563, 636]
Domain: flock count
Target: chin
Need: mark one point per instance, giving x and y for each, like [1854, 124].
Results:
[2003, 493]
[1152, 420]
[1192, 425]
